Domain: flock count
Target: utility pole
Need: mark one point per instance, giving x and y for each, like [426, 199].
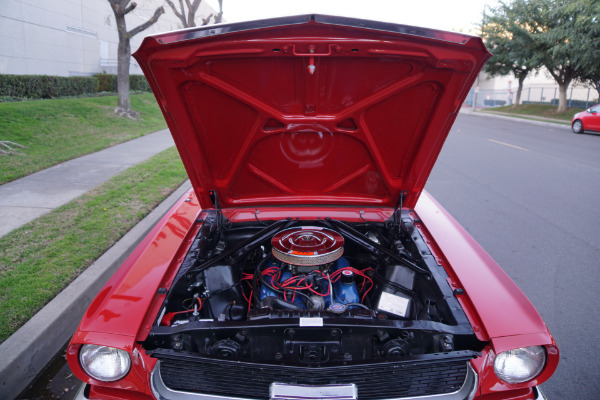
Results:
[475, 93]
[477, 81]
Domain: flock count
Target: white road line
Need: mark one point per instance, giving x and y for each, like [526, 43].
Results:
[509, 145]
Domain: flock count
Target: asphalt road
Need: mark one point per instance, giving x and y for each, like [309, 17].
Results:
[530, 195]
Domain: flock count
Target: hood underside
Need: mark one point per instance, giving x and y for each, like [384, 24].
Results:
[310, 109]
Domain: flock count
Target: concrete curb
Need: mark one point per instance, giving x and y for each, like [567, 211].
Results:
[27, 352]
[517, 119]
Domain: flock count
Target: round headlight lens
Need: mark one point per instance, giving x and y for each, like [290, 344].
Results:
[520, 365]
[104, 363]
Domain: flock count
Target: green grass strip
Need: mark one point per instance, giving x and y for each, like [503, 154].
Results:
[41, 258]
[57, 130]
[541, 112]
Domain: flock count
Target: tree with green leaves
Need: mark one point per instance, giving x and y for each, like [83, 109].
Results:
[505, 30]
[555, 42]
[561, 35]
[584, 30]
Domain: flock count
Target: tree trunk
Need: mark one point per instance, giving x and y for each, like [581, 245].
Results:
[519, 91]
[124, 58]
[562, 97]
[189, 20]
[596, 85]
[120, 9]
[219, 16]
[563, 77]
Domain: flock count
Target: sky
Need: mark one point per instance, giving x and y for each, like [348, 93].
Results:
[452, 15]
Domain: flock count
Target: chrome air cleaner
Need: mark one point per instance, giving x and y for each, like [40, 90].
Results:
[307, 246]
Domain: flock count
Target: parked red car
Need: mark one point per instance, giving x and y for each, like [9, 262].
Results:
[307, 262]
[588, 120]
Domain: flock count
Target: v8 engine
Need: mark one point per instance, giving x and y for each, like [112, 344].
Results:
[249, 274]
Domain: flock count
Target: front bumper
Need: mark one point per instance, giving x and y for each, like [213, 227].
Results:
[162, 392]
[82, 394]
[538, 394]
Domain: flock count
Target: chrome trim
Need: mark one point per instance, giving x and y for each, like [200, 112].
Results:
[538, 395]
[285, 391]
[161, 392]
[80, 395]
[223, 28]
[475, 385]
[308, 261]
[466, 392]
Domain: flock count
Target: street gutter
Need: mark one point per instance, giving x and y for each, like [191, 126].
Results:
[27, 352]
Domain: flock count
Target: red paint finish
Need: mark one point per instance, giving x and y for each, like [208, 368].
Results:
[375, 214]
[491, 385]
[136, 381]
[494, 302]
[252, 121]
[124, 301]
[307, 241]
[497, 309]
[315, 113]
[590, 119]
[466, 263]
[120, 312]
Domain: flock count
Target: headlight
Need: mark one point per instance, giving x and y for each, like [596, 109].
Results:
[104, 363]
[520, 365]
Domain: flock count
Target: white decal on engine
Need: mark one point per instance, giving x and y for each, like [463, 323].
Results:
[393, 304]
[313, 321]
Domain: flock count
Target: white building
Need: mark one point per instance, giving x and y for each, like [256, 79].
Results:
[538, 87]
[73, 37]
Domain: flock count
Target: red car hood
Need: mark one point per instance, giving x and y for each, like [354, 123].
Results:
[310, 109]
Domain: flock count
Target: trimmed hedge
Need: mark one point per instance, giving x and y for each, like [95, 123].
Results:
[108, 83]
[576, 103]
[47, 86]
[493, 102]
[139, 83]
[570, 103]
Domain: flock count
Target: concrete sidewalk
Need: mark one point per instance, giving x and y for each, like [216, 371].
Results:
[28, 198]
[533, 119]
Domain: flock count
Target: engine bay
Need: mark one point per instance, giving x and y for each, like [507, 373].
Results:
[314, 292]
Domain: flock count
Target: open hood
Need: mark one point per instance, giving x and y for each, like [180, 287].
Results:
[310, 109]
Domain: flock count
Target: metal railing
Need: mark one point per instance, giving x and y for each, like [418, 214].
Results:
[577, 97]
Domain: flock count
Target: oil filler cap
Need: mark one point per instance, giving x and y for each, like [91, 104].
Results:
[347, 276]
[337, 308]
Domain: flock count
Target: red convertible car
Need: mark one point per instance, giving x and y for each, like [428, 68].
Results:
[307, 262]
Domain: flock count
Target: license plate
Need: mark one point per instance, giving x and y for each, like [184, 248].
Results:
[284, 391]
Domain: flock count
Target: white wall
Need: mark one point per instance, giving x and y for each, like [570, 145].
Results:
[72, 37]
[534, 80]
[540, 87]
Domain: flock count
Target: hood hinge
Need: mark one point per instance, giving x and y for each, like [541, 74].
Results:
[397, 219]
[220, 220]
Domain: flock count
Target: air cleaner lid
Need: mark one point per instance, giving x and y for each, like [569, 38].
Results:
[307, 245]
